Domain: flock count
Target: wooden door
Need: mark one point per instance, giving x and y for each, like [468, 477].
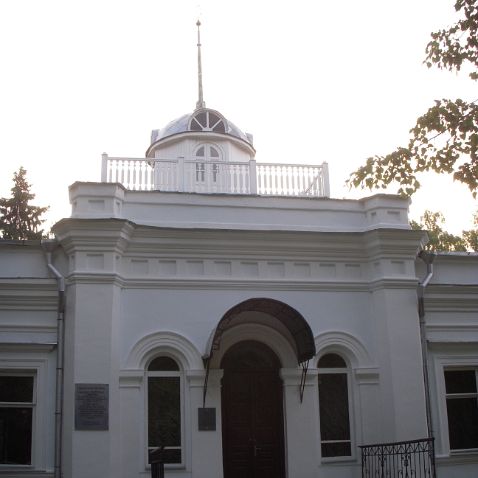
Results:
[252, 418]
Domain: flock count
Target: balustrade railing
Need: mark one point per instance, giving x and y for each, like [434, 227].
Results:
[183, 175]
[405, 459]
[132, 173]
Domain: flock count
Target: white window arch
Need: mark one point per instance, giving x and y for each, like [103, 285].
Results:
[334, 384]
[206, 120]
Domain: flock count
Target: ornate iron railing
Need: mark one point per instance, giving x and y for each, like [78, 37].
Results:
[226, 177]
[406, 459]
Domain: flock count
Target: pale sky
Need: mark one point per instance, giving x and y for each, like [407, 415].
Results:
[312, 80]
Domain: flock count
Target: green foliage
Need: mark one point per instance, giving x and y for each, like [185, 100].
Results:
[440, 240]
[456, 46]
[18, 219]
[445, 138]
[471, 237]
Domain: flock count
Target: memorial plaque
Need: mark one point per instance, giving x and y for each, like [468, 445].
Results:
[91, 406]
[206, 419]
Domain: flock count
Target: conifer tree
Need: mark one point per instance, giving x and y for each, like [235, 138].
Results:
[19, 220]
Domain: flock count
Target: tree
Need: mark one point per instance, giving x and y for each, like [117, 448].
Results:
[471, 237]
[445, 138]
[18, 219]
[441, 240]
[438, 239]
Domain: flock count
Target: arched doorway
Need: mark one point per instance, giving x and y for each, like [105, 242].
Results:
[252, 416]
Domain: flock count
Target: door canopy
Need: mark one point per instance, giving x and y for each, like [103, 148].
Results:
[288, 321]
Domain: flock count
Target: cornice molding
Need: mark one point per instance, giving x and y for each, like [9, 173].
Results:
[95, 278]
[221, 284]
[28, 293]
[393, 283]
[241, 284]
[94, 234]
[122, 235]
[393, 243]
[451, 297]
[23, 347]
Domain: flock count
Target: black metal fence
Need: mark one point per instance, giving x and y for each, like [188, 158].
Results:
[157, 464]
[406, 459]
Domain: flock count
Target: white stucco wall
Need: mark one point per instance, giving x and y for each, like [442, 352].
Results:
[155, 272]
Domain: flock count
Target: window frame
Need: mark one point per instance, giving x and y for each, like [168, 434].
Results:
[451, 396]
[33, 405]
[347, 371]
[169, 373]
[449, 358]
[208, 127]
[207, 167]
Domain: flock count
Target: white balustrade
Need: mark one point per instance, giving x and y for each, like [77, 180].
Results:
[183, 175]
[132, 173]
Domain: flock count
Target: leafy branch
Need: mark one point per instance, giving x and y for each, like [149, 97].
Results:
[445, 138]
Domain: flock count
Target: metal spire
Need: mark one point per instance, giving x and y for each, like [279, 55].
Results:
[200, 102]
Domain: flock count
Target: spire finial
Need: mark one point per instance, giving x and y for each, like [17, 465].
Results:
[200, 102]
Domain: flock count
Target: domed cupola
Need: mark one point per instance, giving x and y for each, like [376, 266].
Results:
[202, 124]
[184, 136]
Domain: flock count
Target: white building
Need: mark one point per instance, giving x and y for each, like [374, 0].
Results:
[236, 315]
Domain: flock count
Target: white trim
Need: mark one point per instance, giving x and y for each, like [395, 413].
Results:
[176, 373]
[459, 361]
[260, 333]
[361, 372]
[133, 375]
[347, 371]
[344, 344]
[167, 343]
[43, 411]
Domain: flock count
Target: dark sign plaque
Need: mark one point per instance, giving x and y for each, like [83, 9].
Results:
[91, 406]
[206, 419]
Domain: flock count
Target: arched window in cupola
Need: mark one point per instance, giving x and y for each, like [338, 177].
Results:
[206, 120]
[207, 157]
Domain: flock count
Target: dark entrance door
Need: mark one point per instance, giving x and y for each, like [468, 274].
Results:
[252, 418]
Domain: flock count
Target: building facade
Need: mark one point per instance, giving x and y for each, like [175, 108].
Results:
[234, 315]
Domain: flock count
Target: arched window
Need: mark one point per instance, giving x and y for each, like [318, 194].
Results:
[207, 156]
[206, 120]
[334, 406]
[164, 405]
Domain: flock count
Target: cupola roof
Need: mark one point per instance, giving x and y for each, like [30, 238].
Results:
[201, 121]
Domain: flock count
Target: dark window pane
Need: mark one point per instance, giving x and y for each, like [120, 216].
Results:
[214, 153]
[171, 456]
[462, 422]
[332, 361]
[200, 172]
[195, 126]
[216, 124]
[163, 364]
[200, 152]
[213, 119]
[202, 119]
[215, 172]
[460, 381]
[336, 449]
[334, 407]
[16, 389]
[164, 411]
[219, 127]
[15, 436]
